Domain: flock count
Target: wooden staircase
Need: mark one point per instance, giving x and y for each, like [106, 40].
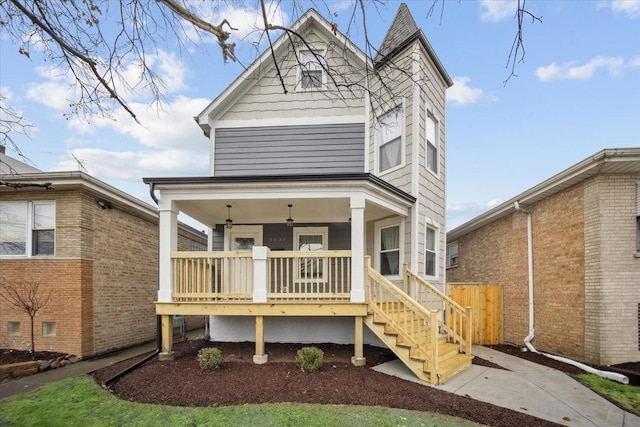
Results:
[429, 342]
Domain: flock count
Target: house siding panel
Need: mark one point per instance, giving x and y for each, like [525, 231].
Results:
[282, 150]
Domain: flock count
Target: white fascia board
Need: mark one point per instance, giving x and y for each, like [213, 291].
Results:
[243, 81]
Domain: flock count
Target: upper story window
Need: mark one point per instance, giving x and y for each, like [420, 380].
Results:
[312, 74]
[390, 140]
[431, 251]
[432, 143]
[27, 228]
[452, 254]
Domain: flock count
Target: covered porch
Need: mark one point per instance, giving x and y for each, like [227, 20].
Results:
[266, 258]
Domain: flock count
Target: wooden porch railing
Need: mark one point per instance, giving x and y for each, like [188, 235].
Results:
[212, 276]
[456, 321]
[299, 276]
[309, 276]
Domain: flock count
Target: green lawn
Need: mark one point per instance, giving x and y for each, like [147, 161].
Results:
[627, 396]
[80, 402]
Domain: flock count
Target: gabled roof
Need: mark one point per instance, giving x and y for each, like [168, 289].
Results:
[249, 76]
[607, 161]
[9, 165]
[402, 32]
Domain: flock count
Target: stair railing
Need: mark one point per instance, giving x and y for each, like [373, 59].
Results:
[408, 318]
[457, 320]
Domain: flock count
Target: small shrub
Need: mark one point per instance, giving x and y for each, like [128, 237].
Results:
[309, 359]
[209, 358]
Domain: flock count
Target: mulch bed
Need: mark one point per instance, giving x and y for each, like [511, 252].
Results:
[237, 381]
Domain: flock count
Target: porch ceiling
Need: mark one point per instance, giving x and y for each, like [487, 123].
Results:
[304, 210]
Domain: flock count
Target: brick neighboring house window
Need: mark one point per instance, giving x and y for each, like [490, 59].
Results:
[48, 329]
[13, 329]
[27, 228]
[452, 254]
[638, 216]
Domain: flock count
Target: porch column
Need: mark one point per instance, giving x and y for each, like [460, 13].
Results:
[167, 338]
[260, 358]
[168, 242]
[357, 249]
[260, 273]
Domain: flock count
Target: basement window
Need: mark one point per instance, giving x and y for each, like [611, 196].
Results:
[13, 329]
[48, 329]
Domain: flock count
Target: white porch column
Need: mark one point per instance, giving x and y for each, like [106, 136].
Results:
[260, 273]
[168, 230]
[357, 249]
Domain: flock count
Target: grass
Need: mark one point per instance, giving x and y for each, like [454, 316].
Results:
[80, 401]
[626, 396]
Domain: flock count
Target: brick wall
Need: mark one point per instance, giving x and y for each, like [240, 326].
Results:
[612, 269]
[497, 253]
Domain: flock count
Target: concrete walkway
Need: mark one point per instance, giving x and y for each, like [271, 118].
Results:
[529, 388]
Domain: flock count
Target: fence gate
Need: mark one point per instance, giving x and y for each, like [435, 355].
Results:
[486, 301]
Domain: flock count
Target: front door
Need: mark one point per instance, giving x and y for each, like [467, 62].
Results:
[242, 237]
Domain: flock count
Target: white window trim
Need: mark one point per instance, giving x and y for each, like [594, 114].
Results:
[390, 222]
[400, 107]
[324, 232]
[319, 52]
[29, 229]
[434, 226]
[436, 118]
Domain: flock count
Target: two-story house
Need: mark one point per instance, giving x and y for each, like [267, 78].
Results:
[317, 199]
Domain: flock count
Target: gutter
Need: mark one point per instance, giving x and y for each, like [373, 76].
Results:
[527, 340]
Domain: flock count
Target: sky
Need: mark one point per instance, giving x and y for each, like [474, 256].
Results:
[576, 92]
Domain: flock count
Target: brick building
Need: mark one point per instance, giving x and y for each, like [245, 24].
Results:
[585, 230]
[94, 247]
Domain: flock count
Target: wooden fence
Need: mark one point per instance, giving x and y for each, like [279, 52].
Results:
[486, 301]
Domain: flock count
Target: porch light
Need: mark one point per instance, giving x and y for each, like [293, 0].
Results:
[229, 220]
[290, 220]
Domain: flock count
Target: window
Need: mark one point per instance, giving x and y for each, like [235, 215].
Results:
[432, 143]
[452, 254]
[390, 140]
[13, 329]
[430, 251]
[312, 74]
[27, 228]
[310, 239]
[48, 329]
[388, 243]
[198, 246]
[390, 250]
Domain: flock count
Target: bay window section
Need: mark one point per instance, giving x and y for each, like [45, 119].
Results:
[432, 143]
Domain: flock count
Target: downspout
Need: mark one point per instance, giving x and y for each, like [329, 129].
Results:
[527, 340]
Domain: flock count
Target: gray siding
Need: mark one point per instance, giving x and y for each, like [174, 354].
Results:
[284, 150]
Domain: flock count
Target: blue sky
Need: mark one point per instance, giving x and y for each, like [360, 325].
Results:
[577, 92]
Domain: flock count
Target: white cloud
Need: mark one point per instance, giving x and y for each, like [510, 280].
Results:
[460, 212]
[462, 94]
[497, 10]
[628, 7]
[634, 62]
[570, 71]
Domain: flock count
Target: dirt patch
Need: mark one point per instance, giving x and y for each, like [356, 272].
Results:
[237, 381]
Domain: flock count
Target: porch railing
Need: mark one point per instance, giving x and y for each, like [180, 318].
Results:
[299, 276]
[309, 276]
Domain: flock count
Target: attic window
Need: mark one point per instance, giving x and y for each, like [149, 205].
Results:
[312, 75]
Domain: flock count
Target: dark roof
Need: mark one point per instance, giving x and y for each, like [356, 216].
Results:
[402, 28]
